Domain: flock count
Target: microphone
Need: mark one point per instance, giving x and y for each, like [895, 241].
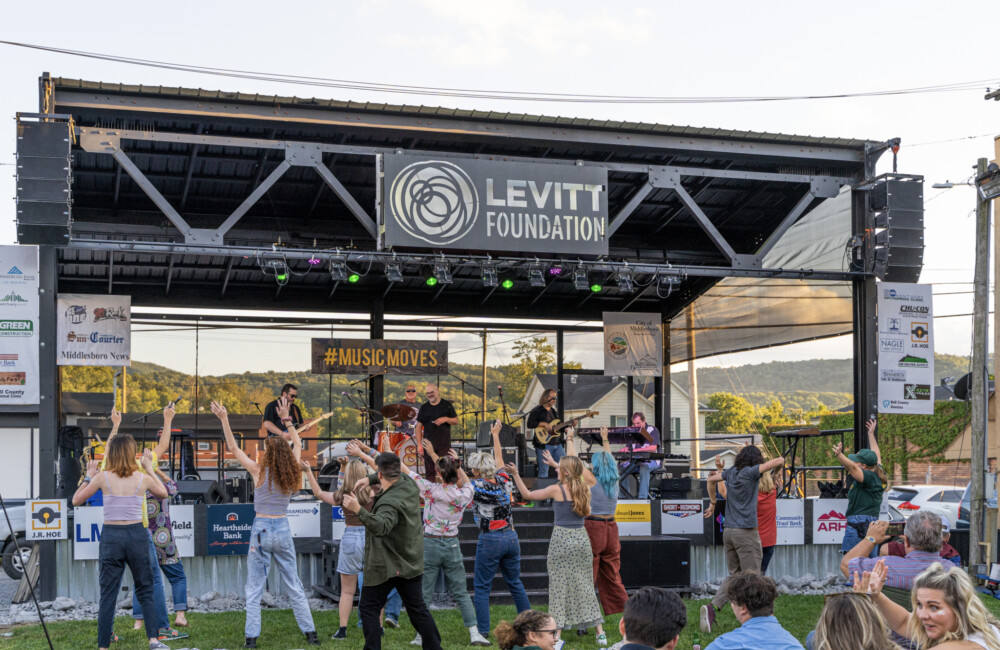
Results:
[500, 390]
[255, 404]
[345, 393]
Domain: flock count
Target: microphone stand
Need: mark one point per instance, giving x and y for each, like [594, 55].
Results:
[503, 405]
[463, 382]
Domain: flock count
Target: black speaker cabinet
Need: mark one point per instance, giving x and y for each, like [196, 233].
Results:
[656, 561]
[508, 435]
[898, 204]
[201, 492]
[43, 182]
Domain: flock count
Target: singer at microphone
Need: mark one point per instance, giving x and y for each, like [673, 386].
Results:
[273, 422]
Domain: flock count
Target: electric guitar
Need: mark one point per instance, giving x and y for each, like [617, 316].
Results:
[313, 422]
[553, 434]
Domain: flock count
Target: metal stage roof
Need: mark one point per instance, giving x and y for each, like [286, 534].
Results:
[691, 204]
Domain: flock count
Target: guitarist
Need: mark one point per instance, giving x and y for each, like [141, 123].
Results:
[541, 417]
[275, 424]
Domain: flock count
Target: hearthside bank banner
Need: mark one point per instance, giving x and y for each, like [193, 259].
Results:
[489, 205]
[370, 356]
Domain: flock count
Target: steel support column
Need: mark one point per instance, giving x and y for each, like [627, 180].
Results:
[664, 422]
[560, 350]
[865, 326]
[48, 405]
[376, 385]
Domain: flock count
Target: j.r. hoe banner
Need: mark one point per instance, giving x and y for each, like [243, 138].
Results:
[633, 344]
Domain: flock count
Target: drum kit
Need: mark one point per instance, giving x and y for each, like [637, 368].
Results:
[392, 438]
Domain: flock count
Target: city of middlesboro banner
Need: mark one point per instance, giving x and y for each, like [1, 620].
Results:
[365, 356]
[633, 344]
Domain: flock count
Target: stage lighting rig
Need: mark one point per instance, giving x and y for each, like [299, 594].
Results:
[338, 270]
[490, 276]
[626, 283]
[442, 272]
[581, 279]
[536, 278]
[393, 271]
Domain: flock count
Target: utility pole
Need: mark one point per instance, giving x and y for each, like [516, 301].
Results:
[980, 372]
[124, 389]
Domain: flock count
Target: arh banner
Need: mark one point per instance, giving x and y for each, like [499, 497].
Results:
[633, 344]
[829, 520]
[93, 330]
[18, 325]
[905, 348]
[477, 204]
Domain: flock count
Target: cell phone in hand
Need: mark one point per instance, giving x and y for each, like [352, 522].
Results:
[895, 529]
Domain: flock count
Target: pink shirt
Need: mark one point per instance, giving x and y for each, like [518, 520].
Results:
[443, 505]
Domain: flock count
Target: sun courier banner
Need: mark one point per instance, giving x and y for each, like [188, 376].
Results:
[93, 330]
[633, 344]
[364, 356]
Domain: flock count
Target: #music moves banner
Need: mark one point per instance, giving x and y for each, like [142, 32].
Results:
[18, 325]
[905, 348]
[633, 344]
[93, 330]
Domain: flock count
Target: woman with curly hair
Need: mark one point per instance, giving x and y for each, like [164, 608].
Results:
[276, 476]
[531, 630]
[570, 565]
[947, 612]
[350, 560]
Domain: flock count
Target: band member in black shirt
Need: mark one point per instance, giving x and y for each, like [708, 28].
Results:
[541, 416]
[434, 421]
[273, 422]
[409, 426]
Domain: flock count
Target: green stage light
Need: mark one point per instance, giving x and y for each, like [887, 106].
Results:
[281, 277]
[596, 288]
[353, 278]
[431, 281]
[507, 284]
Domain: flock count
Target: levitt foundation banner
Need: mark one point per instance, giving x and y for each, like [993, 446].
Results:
[18, 325]
[633, 344]
[93, 330]
[905, 348]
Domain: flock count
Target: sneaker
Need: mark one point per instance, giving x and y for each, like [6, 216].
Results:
[170, 634]
[156, 645]
[391, 622]
[417, 641]
[475, 638]
[602, 640]
[707, 618]
[311, 638]
[340, 634]
[250, 643]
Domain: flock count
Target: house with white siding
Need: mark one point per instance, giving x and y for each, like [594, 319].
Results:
[609, 396]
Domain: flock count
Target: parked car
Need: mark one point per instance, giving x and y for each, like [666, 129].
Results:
[963, 508]
[942, 499]
[13, 564]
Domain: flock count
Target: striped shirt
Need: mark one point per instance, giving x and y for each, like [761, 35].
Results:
[901, 571]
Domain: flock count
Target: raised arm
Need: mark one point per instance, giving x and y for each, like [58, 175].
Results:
[870, 426]
[531, 495]
[293, 433]
[227, 431]
[116, 421]
[358, 451]
[871, 582]
[852, 468]
[163, 446]
[317, 491]
[497, 447]
[588, 475]
[710, 486]
[605, 444]
[771, 465]
[89, 488]
[150, 481]
[463, 478]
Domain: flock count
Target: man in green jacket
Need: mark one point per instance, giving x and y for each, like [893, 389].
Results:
[394, 553]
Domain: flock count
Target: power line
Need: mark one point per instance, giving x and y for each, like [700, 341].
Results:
[325, 82]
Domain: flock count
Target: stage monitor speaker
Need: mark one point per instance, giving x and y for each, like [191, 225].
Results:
[656, 561]
[44, 176]
[508, 435]
[898, 204]
[201, 492]
[70, 453]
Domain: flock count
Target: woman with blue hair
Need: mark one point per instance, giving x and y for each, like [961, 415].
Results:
[603, 530]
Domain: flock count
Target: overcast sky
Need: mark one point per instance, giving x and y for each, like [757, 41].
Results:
[634, 48]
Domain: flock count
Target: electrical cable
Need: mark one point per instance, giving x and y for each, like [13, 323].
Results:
[31, 587]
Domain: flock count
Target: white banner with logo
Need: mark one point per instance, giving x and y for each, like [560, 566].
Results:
[18, 325]
[634, 518]
[633, 344]
[791, 522]
[45, 519]
[829, 520]
[88, 523]
[93, 330]
[182, 522]
[905, 348]
[682, 518]
[303, 518]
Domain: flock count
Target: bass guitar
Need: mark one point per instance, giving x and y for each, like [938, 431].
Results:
[553, 433]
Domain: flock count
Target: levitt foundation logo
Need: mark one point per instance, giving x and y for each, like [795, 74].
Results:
[435, 201]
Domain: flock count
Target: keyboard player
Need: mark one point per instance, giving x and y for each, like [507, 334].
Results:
[646, 468]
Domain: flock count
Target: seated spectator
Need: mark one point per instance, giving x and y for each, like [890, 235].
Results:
[653, 620]
[850, 621]
[751, 597]
[948, 552]
[947, 612]
[921, 541]
[531, 630]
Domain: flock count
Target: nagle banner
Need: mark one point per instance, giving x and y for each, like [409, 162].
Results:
[371, 356]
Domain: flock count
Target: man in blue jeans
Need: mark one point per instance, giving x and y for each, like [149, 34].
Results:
[540, 418]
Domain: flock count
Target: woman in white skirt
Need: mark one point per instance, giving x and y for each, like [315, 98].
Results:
[350, 559]
[572, 601]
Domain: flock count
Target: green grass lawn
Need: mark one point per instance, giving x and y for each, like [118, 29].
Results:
[798, 614]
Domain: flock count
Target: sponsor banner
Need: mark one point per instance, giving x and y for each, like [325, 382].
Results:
[18, 325]
[906, 348]
[633, 344]
[791, 522]
[93, 330]
[364, 356]
[228, 529]
[182, 523]
[473, 204]
[303, 518]
[634, 518]
[88, 522]
[45, 519]
[829, 520]
[682, 518]
[338, 523]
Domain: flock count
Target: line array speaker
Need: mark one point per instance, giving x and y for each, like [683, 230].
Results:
[898, 204]
[44, 177]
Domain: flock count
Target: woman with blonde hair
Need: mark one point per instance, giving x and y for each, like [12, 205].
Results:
[850, 621]
[572, 601]
[350, 559]
[124, 539]
[947, 613]
[276, 475]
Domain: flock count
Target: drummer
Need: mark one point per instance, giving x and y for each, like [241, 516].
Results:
[408, 426]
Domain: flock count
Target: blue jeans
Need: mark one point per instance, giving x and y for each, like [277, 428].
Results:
[851, 536]
[121, 545]
[159, 600]
[178, 588]
[499, 549]
[557, 451]
[644, 471]
[273, 538]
